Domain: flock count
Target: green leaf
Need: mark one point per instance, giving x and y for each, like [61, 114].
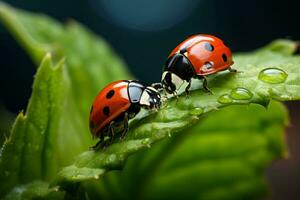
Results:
[90, 65]
[228, 88]
[223, 157]
[30, 152]
[34, 190]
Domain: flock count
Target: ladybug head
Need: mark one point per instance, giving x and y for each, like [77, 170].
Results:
[177, 70]
[150, 98]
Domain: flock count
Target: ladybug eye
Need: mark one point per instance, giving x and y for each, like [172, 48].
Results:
[208, 46]
[224, 57]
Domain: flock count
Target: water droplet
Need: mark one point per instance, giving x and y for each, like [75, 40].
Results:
[240, 94]
[196, 111]
[112, 157]
[224, 99]
[272, 75]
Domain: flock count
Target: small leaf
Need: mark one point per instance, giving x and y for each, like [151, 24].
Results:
[241, 88]
[30, 151]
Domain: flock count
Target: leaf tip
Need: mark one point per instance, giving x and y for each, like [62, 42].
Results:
[21, 115]
[61, 62]
[283, 46]
[47, 57]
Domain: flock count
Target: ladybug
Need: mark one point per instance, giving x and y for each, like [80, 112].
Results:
[116, 104]
[195, 57]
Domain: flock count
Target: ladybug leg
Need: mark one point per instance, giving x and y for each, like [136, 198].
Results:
[125, 126]
[187, 92]
[232, 70]
[205, 85]
[159, 87]
[111, 132]
[175, 94]
[165, 94]
[98, 144]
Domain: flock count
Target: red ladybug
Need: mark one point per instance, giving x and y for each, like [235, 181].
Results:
[116, 104]
[195, 57]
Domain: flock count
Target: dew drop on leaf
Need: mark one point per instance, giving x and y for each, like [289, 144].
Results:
[196, 111]
[272, 75]
[240, 94]
[112, 158]
[225, 99]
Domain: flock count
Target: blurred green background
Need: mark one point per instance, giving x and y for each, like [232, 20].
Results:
[144, 32]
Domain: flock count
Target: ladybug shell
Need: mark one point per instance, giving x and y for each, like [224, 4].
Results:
[111, 102]
[208, 54]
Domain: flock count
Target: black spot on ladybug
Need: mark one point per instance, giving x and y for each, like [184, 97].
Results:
[92, 108]
[110, 94]
[106, 110]
[208, 46]
[224, 57]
